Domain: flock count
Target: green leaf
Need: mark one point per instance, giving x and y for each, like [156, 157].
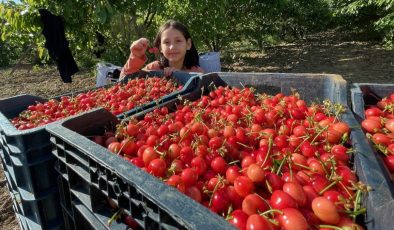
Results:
[3, 36]
[41, 52]
[101, 14]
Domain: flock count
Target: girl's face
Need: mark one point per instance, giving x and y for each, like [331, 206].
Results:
[173, 45]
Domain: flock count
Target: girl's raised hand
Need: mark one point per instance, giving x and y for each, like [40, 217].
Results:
[139, 47]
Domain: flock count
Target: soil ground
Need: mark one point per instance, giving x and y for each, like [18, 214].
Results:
[330, 52]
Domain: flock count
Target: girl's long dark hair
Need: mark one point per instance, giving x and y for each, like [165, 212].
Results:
[191, 57]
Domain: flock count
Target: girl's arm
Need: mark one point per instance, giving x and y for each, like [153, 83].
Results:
[132, 65]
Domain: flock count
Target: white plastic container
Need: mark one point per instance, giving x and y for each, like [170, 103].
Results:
[103, 68]
[210, 62]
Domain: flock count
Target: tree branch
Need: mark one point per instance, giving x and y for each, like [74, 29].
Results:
[24, 55]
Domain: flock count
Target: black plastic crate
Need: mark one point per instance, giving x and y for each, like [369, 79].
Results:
[190, 82]
[12, 192]
[28, 152]
[33, 213]
[29, 164]
[79, 216]
[29, 143]
[32, 177]
[32, 145]
[21, 219]
[92, 179]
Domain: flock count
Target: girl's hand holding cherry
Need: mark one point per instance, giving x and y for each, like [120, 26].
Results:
[139, 47]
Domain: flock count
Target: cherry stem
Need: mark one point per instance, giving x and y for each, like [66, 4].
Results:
[330, 226]
[229, 211]
[220, 182]
[314, 138]
[291, 170]
[281, 165]
[270, 142]
[270, 212]
[305, 167]
[344, 138]
[318, 134]
[246, 146]
[187, 131]
[357, 204]
[328, 187]
[322, 163]
[115, 216]
[120, 150]
[162, 154]
[350, 151]
[273, 222]
[269, 187]
[345, 188]
[355, 214]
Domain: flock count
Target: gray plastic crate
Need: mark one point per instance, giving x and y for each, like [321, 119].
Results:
[380, 201]
[115, 178]
[366, 94]
[84, 162]
[362, 96]
[311, 87]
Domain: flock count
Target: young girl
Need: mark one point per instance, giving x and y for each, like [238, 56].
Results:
[177, 52]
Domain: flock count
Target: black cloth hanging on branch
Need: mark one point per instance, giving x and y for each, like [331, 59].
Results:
[57, 44]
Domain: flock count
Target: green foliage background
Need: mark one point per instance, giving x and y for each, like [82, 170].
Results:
[215, 25]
